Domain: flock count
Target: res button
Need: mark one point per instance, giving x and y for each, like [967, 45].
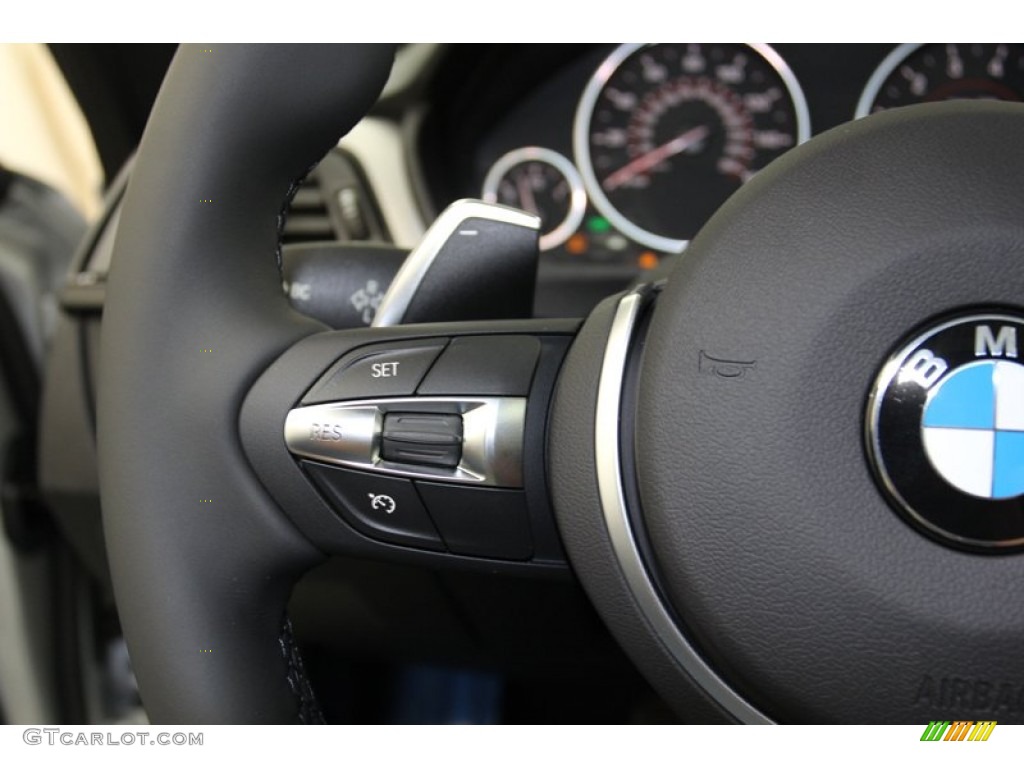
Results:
[333, 432]
[380, 370]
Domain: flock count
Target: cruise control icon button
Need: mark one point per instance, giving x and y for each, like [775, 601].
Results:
[381, 507]
[383, 502]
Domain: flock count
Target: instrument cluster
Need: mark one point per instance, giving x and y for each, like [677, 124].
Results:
[662, 134]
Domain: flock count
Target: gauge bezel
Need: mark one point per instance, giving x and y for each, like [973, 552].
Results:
[585, 112]
[893, 59]
[577, 195]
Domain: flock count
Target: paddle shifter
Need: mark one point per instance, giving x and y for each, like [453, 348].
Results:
[478, 261]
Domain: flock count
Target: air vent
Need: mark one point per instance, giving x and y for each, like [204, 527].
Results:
[333, 204]
[308, 219]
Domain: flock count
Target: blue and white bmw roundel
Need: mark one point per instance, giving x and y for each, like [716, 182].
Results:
[945, 431]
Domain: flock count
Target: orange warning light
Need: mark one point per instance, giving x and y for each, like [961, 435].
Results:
[647, 260]
[576, 244]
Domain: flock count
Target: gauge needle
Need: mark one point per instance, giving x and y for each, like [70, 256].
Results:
[526, 195]
[650, 159]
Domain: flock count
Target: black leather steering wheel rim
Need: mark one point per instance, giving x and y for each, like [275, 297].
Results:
[202, 559]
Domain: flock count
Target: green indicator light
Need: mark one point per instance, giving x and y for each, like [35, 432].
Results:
[598, 224]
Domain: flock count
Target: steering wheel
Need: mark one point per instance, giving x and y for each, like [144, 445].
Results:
[742, 461]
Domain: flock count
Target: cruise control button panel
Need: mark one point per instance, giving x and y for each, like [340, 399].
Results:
[377, 370]
[432, 445]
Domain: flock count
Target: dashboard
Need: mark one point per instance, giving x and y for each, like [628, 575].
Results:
[625, 151]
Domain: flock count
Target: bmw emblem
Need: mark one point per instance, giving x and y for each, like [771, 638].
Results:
[945, 431]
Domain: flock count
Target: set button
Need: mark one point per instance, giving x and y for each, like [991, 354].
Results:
[380, 370]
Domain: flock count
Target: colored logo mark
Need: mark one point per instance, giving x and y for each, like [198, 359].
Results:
[958, 730]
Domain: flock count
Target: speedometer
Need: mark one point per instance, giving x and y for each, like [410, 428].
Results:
[664, 133]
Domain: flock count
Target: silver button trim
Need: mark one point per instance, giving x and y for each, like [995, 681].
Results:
[349, 434]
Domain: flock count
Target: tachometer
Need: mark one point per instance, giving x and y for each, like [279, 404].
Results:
[664, 133]
[541, 182]
[915, 73]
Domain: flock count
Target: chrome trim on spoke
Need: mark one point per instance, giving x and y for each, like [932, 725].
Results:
[616, 518]
[403, 288]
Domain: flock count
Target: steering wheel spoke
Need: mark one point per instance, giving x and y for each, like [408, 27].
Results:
[421, 444]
